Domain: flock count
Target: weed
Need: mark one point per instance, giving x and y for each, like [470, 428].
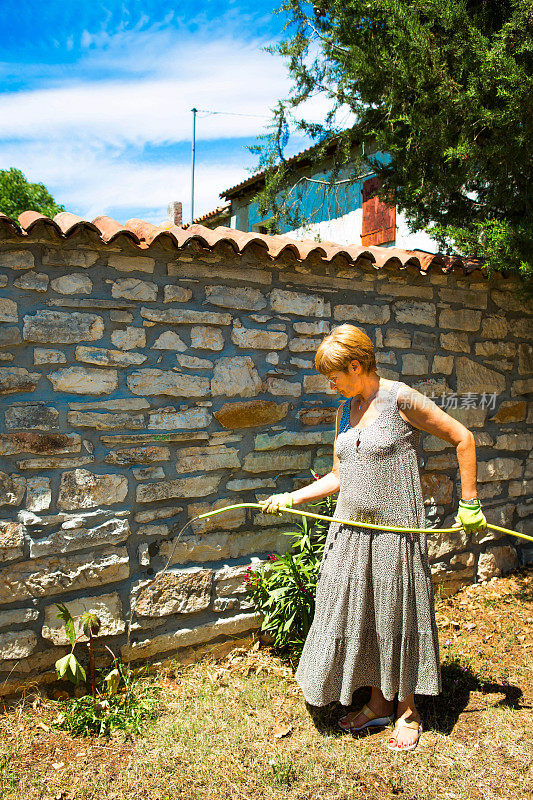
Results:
[283, 773]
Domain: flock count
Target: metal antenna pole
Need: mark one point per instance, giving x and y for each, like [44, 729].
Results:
[194, 112]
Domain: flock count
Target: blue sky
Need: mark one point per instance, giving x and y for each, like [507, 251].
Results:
[95, 99]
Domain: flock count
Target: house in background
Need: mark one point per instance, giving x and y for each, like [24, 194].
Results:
[348, 213]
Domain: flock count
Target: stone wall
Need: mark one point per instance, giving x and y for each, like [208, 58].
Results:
[141, 386]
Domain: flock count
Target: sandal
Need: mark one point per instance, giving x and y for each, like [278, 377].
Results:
[401, 722]
[373, 721]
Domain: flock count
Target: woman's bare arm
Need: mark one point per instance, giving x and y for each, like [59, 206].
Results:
[426, 415]
[328, 484]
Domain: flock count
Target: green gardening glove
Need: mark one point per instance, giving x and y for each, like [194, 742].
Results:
[470, 517]
[273, 503]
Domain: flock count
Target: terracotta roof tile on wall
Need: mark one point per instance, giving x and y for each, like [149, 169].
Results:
[144, 235]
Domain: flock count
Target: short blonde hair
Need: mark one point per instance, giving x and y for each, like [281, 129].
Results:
[345, 344]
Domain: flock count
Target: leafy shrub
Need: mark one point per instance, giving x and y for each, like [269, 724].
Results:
[116, 702]
[283, 590]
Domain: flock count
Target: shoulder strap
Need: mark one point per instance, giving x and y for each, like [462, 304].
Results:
[345, 418]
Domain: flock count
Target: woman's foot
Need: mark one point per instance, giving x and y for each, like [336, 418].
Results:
[355, 719]
[406, 731]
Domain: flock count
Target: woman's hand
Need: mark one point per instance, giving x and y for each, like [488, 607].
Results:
[470, 517]
[273, 503]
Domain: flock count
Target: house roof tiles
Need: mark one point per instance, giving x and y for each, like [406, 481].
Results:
[144, 235]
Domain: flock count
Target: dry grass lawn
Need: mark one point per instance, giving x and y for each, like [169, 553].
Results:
[238, 729]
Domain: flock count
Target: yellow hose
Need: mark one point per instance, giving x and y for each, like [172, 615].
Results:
[357, 524]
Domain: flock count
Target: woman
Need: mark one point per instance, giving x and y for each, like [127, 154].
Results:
[374, 622]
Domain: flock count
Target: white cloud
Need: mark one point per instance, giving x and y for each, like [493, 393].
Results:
[84, 137]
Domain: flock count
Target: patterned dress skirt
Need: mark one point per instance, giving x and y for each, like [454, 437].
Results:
[374, 622]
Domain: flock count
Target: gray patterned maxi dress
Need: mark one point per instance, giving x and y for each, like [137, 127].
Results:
[374, 622]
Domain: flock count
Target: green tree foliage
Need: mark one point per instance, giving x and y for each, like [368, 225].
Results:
[445, 88]
[17, 194]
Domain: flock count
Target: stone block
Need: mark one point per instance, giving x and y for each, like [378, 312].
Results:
[229, 520]
[75, 534]
[32, 282]
[169, 418]
[134, 289]
[217, 546]
[133, 263]
[58, 574]
[438, 487]
[364, 313]
[191, 362]
[18, 616]
[120, 316]
[77, 283]
[108, 358]
[185, 591]
[525, 358]
[443, 364]
[38, 494]
[206, 338]
[59, 327]
[8, 310]
[277, 461]
[170, 341]
[249, 484]
[204, 459]
[11, 541]
[12, 488]
[199, 486]
[186, 637]
[461, 319]
[42, 355]
[405, 290]
[17, 259]
[17, 644]
[515, 441]
[158, 381]
[69, 258]
[176, 294]
[469, 417]
[17, 379]
[474, 377]
[282, 388]
[447, 581]
[494, 327]
[259, 339]
[320, 327]
[510, 301]
[244, 298]
[183, 268]
[510, 411]
[250, 413]
[104, 422]
[84, 380]
[149, 473]
[118, 404]
[414, 364]
[496, 561]
[107, 607]
[473, 298]
[185, 316]
[458, 342]
[82, 489]
[137, 455]
[318, 415]
[441, 544]
[306, 305]
[397, 338]
[129, 338]
[317, 384]
[498, 350]
[9, 337]
[265, 441]
[304, 345]
[235, 375]
[522, 387]
[39, 443]
[40, 416]
[409, 311]
[497, 469]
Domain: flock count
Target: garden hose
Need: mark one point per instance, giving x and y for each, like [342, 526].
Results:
[357, 524]
[309, 514]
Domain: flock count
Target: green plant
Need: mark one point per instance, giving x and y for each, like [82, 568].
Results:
[116, 700]
[283, 590]
[283, 773]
